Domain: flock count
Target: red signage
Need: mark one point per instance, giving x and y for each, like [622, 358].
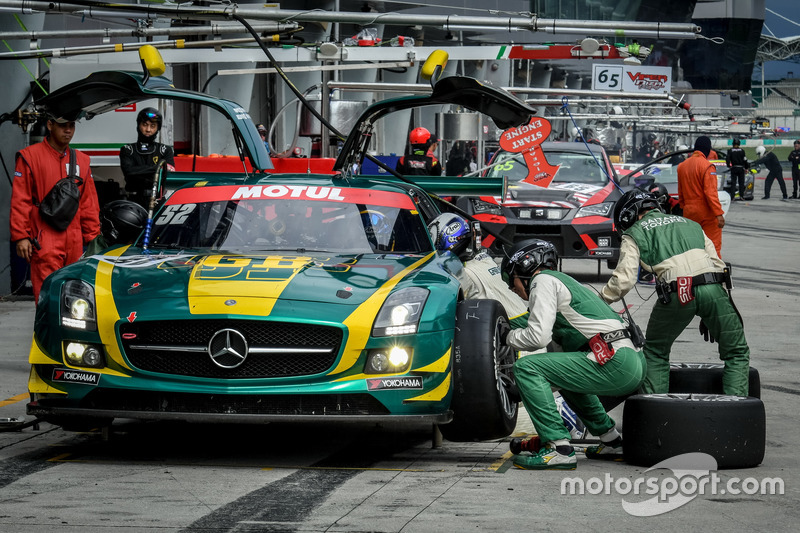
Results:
[526, 140]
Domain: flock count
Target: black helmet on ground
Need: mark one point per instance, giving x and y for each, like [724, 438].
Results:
[525, 257]
[122, 221]
[628, 208]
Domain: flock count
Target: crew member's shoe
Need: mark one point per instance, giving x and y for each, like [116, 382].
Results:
[765, 198]
[548, 459]
[609, 451]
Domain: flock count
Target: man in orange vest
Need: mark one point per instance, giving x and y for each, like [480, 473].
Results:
[697, 192]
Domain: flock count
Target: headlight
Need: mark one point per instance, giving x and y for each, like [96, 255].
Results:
[600, 210]
[80, 354]
[77, 306]
[400, 313]
[392, 360]
[481, 207]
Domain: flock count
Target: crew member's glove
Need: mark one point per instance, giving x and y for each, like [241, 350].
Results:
[503, 330]
[705, 333]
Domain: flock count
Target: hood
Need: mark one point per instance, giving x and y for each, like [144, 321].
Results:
[229, 283]
[566, 195]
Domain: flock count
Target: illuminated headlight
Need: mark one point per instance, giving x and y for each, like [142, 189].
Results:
[598, 210]
[488, 208]
[604, 242]
[554, 214]
[400, 313]
[388, 361]
[77, 305]
[80, 354]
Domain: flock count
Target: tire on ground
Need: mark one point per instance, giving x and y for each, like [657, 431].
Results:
[705, 378]
[482, 375]
[732, 429]
[688, 378]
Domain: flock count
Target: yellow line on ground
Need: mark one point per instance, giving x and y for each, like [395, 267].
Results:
[59, 458]
[14, 399]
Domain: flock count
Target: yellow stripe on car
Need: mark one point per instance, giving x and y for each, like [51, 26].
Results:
[107, 315]
[359, 323]
[436, 394]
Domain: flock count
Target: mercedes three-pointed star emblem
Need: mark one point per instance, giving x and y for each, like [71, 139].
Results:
[227, 348]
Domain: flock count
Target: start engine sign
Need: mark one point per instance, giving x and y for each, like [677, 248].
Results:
[632, 78]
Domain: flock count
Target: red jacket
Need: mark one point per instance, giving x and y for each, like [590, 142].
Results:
[38, 168]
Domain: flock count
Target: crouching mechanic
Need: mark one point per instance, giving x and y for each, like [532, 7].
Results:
[689, 282]
[598, 357]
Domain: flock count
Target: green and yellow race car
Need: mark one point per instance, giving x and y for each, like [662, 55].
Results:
[258, 297]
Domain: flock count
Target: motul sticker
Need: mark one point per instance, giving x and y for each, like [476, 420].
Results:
[289, 192]
[406, 382]
[68, 375]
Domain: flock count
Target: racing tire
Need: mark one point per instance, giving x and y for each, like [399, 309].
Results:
[706, 378]
[732, 429]
[697, 378]
[483, 380]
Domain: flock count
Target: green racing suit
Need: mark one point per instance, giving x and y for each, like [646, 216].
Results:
[674, 247]
[563, 310]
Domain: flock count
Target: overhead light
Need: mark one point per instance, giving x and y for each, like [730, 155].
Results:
[590, 45]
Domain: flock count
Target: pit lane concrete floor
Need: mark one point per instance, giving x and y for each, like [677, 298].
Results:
[169, 478]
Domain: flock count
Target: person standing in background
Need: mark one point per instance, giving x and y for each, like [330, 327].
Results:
[39, 167]
[770, 160]
[697, 192]
[139, 161]
[737, 162]
[794, 160]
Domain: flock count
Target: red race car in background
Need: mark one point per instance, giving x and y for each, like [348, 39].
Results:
[575, 212]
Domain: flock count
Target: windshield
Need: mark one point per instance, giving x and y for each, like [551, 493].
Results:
[575, 167]
[290, 218]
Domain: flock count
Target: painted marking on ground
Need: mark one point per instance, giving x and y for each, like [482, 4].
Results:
[14, 399]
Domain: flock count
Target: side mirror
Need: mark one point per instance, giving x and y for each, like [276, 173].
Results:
[152, 62]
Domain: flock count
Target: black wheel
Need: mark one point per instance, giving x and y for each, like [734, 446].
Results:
[482, 375]
[705, 378]
[732, 429]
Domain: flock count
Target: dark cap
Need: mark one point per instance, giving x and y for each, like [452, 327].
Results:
[64, 118]
[797, 141]
[703, 144]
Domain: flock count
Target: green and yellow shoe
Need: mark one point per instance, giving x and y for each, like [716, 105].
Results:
[608, 451]
[546, 459]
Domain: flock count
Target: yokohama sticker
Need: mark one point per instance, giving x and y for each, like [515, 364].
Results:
[406, 382]
[68, 375]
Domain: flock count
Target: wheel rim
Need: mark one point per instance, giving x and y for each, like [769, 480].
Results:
[504, 358]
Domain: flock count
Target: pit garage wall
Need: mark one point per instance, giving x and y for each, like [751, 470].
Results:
[16, 84]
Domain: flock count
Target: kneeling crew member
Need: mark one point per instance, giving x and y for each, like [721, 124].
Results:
[689, 282]
[598, 357]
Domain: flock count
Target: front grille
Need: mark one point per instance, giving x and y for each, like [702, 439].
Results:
[179, 347]
[256, 404]
[528, 229]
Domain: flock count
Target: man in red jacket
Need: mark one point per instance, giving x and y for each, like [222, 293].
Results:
[38, 168]
[697, 192]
